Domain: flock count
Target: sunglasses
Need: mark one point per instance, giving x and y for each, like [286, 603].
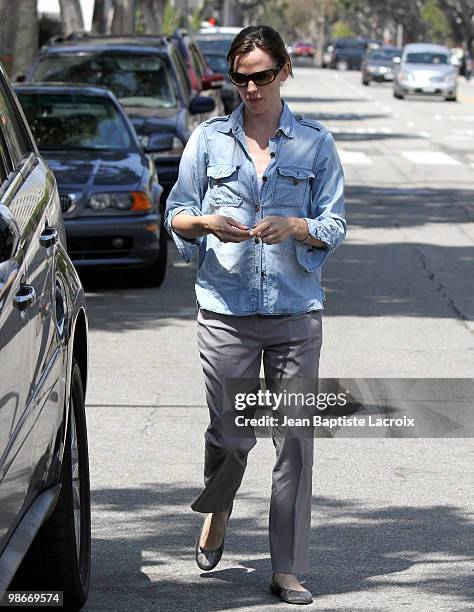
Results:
[264, 77]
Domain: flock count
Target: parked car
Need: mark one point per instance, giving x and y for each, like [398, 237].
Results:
[44, 473]
[378, 64]
[149, 78]
[425, 69]
[302, 48]
[108, 185]
[217, 60]
[347, 53]
[203, 78]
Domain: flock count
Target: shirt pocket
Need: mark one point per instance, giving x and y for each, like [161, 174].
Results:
[292, 186]
[224, 185]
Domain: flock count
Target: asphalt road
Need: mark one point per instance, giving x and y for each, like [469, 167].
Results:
[392, 518]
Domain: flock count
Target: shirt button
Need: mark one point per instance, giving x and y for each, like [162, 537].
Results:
[272, 154]
[257, 207]
[264, 178]
[257, 239]
[263, 273]
[295, 181]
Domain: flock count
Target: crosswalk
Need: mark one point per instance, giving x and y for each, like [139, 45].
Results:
[422, 157]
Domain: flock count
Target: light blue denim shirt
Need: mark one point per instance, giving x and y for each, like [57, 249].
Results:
[303, 179]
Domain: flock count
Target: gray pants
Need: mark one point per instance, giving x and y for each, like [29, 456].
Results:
[231, 347]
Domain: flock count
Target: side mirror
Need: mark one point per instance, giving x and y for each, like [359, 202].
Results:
[9, 234]
[159, 141]
[212, 81]
[202, 104]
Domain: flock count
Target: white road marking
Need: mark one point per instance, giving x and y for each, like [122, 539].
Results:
[426, 158]
[355, 158]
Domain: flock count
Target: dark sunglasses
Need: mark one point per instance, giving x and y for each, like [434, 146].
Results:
[263, 77]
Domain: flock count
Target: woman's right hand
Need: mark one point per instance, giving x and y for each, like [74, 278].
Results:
[227, 229]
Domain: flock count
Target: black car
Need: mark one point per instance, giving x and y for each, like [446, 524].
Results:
[378, 65]
[149, 78]
[109, 187]
[347, 53]
[44, 473]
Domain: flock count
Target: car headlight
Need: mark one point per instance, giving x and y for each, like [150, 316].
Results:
[372, 68]
[135, 201]
[407, 76]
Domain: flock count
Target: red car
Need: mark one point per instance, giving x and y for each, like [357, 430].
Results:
[303, 49]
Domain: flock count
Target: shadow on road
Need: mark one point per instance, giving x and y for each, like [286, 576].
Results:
[361, 550]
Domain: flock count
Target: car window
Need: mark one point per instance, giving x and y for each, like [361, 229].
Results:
[218, 63]
[74, 122]
[426, 58]
[136, 80]
[182, 75]
[195, 63]
[15, 140]
[384, 54]
[219, 45]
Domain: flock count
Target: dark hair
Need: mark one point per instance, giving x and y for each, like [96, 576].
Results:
[261, 37]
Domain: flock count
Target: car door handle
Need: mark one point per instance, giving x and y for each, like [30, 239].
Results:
[48, 237]
[25, 297]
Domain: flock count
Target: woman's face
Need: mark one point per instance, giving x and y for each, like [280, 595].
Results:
[259, 99]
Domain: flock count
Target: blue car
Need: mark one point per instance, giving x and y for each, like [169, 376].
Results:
[109, 189]
[149, 78]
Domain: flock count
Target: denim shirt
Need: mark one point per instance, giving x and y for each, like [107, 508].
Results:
[303, 179]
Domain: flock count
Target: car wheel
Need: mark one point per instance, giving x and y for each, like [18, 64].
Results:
[398, 95]
[452, 98]
[59, 558]
[154, 275]
[365, 82]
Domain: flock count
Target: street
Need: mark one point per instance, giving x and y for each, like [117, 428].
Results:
[391, 517]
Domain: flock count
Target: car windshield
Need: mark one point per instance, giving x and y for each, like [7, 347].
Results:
[136, 80]
[350, 44]
[384, 54]
[74, 122]
[221, 45]
[426, 58]
[218, 63]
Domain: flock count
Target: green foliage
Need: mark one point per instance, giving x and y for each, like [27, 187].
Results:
[171, 19]
[437, 26]
[341, 30]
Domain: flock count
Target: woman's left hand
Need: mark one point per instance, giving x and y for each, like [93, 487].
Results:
[274, 229]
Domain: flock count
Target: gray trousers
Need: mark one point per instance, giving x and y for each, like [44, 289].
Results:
[231, 347]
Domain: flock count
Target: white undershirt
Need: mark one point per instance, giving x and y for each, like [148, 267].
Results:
[259, 181]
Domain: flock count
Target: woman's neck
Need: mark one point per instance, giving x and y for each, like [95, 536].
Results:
[262, 125]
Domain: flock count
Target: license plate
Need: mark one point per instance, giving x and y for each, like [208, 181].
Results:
[429, 89]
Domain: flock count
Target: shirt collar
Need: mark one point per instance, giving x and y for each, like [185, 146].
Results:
[235, 121]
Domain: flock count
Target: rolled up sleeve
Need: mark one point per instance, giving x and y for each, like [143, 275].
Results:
[327, 221]
[188, 192]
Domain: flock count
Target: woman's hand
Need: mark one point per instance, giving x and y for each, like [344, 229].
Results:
[274, 229]
[227, 229]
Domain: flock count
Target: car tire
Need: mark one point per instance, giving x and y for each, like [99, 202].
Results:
[52, 562]
[451, 98]
[154, 275]
[398, 95]
[365, 82]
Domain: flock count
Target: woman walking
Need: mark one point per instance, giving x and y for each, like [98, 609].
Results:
[260, 197]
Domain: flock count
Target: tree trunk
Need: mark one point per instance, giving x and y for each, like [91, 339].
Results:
[26, 37]
[123, 21]
[153, 11]
[71, 16]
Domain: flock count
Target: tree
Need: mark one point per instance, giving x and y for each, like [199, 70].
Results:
[26, 36]
[460, 16]
[71, 16]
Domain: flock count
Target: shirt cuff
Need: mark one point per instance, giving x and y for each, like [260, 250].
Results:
[186, 246]
[309, 256]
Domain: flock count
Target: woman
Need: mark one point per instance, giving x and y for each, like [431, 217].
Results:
[260, 196]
